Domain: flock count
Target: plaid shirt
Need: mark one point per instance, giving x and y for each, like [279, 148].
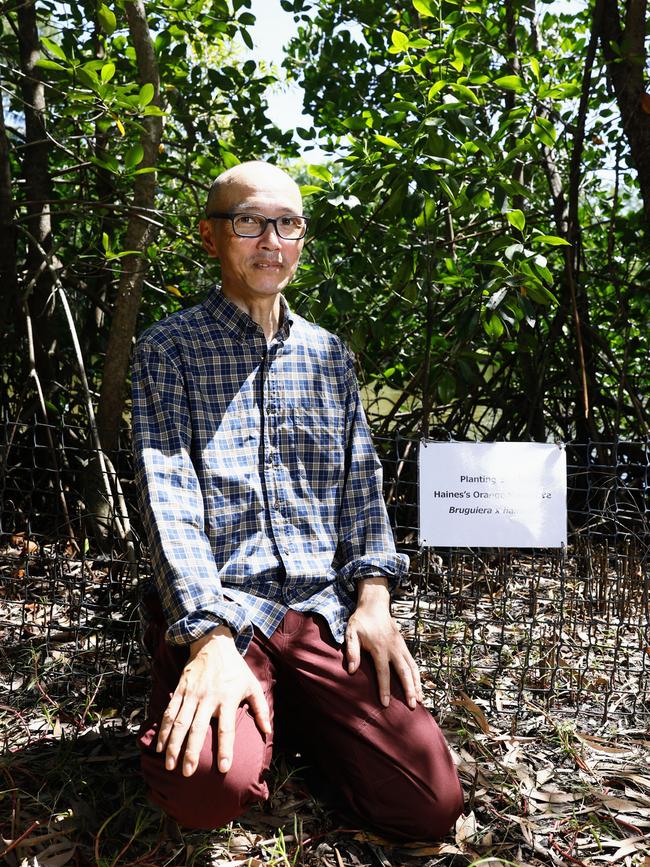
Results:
[259, 485]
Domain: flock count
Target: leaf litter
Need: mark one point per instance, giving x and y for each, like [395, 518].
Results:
[553, 791]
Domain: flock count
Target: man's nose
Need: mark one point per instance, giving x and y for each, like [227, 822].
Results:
[269, 239]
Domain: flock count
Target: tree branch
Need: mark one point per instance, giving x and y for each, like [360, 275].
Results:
[139, 235]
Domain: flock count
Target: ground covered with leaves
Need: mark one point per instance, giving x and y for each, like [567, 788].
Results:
[542, 786]
[548, 795]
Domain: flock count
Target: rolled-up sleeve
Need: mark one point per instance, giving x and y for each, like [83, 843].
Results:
[171, 502]
[366, 545]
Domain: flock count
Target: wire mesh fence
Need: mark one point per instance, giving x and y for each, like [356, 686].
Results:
[498, 631]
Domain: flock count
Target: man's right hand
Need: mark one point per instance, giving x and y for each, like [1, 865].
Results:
[215, 681]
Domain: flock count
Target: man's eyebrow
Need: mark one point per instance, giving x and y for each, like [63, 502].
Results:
[255, 209]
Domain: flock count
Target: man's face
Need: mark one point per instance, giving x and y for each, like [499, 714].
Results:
[253, 268]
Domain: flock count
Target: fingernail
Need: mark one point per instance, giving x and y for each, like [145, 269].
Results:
[385, 700]
[412, 703]
[169, 764]
[223, 765]
[188, 767]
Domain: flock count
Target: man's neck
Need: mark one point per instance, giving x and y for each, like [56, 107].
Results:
[267, 312]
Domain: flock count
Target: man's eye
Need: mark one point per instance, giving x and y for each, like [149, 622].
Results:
[248, 219]
[290, 221]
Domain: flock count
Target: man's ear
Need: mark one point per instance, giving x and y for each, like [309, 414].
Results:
[206, 230]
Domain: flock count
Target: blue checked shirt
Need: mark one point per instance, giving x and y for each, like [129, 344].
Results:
[258, 481]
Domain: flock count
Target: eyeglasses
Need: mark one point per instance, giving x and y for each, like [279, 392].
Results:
[291, 227]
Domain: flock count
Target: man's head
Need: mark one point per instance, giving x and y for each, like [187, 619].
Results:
[253, 267]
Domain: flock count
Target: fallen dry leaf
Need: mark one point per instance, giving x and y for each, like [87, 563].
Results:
[479, 715]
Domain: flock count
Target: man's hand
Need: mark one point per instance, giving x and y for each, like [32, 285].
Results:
[372, 628]
[215, 681]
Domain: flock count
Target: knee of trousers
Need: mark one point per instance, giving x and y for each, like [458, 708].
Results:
[410, 789]
[208, 799]
[412, 811]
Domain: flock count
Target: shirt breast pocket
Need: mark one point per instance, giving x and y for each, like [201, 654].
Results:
[317, 439]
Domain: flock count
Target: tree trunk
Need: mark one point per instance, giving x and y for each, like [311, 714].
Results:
[35, 169]
[625, 55]
[139, 235]
[8, 270]
[586, 357]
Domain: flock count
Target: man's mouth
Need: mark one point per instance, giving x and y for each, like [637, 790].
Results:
[268, 265]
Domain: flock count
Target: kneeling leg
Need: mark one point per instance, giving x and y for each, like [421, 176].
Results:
[207, 799]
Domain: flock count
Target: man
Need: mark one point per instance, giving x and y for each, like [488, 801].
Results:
[272, 552]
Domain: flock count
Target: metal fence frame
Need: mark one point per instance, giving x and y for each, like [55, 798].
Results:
[513, 633]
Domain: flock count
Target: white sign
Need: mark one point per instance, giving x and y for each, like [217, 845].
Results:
[510, 495]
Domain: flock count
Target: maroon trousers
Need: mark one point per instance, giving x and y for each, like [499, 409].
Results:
[391, 765]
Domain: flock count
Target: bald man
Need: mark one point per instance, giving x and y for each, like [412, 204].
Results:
[273, 558]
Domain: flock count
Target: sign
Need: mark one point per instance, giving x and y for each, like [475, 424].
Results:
[510, 495]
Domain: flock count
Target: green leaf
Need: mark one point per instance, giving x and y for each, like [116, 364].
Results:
[399, 40]
[310, 190]
[551, 240]
[539, 293]
[134, 156]
[228, 159]
[516, 218]
[510, 82]
[389, 142]
[146, 94]
[534, 67]
[496, 298]
[107, 19]
[466, 92]
[153, 111]
[248, 41]
[435, 89]
[321, 172]
[424, 8]
[44, 63]
[109, 163]
[447, 190]
[106, 243]
[108, 71]
[545, 131]
[446, 388]
[511, 251]
[493, 326]
[53, 48]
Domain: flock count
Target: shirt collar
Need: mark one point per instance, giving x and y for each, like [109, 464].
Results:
[240, 324]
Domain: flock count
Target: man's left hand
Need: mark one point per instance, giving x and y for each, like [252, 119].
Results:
[372, 628]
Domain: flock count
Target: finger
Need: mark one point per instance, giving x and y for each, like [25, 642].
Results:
[352, 649]
[170, 714]
[260, 708]
[415, 671]
[383, 678]
[408, 680]
[416, 678]
[196, 738]
[179, 730]
[227, 717]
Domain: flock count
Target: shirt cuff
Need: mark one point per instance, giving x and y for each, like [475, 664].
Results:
[200, 623]
[392, 567]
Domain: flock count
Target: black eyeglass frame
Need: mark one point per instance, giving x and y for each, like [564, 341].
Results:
[218, 215]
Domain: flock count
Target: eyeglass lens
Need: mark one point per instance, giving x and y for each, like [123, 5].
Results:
[252, 225]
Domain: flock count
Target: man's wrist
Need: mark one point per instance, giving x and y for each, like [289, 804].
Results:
[219, 635]
[373, 589]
